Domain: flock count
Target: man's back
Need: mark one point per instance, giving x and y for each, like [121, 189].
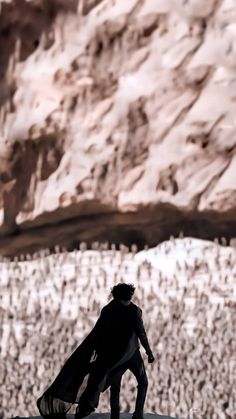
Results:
[116, 326]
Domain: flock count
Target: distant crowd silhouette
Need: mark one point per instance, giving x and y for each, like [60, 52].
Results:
[49, 303]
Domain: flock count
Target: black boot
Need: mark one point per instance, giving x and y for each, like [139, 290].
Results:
[137, 415]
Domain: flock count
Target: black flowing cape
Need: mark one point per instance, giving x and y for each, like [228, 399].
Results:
[68, 382]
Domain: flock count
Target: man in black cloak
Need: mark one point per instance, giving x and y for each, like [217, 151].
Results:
[114, 342]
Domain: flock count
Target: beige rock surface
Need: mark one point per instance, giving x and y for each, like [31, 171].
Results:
[117, 121]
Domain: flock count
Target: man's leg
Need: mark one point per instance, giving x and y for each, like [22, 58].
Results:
[136, 366]
[115, 380]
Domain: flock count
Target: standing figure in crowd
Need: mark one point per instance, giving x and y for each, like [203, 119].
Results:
[115, 342]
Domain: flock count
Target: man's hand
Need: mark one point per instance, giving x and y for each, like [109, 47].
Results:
[151, 358]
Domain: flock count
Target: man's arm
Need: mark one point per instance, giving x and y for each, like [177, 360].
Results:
[141, 333]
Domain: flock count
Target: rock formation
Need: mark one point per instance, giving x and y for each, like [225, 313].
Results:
[117, 121]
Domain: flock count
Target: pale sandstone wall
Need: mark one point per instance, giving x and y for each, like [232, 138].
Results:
[120, 109]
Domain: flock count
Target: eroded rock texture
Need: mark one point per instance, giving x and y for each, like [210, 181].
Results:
[117, 121]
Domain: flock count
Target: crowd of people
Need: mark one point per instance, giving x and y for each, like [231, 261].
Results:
[185, 287]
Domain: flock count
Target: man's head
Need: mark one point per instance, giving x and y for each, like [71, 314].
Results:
[123, 292]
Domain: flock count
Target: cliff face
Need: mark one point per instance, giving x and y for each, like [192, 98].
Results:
[117, 121]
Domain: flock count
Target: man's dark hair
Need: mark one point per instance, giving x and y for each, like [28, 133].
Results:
[123, 291]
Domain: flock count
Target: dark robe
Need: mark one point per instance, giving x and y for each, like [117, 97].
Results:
[112, 337]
